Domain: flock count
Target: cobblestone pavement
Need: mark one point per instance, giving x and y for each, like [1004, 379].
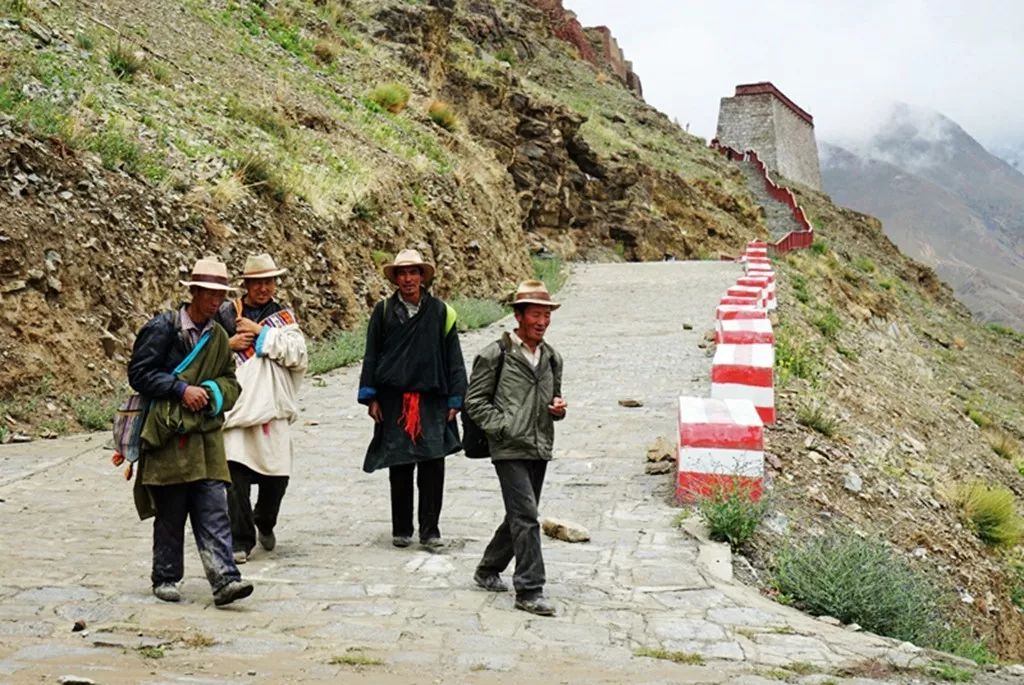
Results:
[335, 592]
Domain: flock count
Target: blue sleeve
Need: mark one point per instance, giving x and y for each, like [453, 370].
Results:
[259, 341]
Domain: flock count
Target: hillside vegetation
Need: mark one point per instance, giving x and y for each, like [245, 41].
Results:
[138, 136]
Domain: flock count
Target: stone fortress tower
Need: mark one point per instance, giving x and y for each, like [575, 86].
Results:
[760, 118]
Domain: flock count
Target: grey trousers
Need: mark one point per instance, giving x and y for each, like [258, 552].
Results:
[519, 534]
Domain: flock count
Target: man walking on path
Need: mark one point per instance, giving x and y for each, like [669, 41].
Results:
[413, 382]
[515, 395]
[182, 365]
[270, 351]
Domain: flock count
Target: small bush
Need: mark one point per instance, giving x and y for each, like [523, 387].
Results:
[93, 413]
[506, 55]
[676, 657]
[326, 51]
[815, 418]
[380, 257]
[1000, 329]
[115, 149]
[864, 264]
[550, 269]
[16, 8]
[864, 582]
[475, 312]
[978, 416]
[819, 246]
[263, 118]
[390, 96]
[950, 673]
[732, 514]
[84, 41]
[794, 359]
[1002, 444]
[260, 174]
[992, 513]
[885, 284]
[800, 291]
[123, 62]
[829, 323]
[443, 115]
[344, 349]
[356, 659]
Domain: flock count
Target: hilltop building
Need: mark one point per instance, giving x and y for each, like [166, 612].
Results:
[760, 118]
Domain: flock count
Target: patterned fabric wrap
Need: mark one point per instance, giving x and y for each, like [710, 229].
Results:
[128, 426]
[285, 317]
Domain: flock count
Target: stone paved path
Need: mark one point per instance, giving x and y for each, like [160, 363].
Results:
[335, 587]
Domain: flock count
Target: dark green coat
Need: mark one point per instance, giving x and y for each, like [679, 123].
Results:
[516, 419]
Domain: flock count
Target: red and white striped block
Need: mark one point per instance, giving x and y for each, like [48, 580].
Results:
[746, 372]
[758, 263]
[759, 273]
[721, 447]
[757, 249]
[744, 332]
[746, 292]
[727, 312]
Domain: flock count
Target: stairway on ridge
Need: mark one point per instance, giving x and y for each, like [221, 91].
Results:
[778, 215]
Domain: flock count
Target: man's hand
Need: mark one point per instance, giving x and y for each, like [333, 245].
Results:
[375, 412]
[195, 398]
[558, 407]
[244, 325]
[452, 413]
[240, 341]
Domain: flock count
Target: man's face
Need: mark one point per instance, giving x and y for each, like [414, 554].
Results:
[533, 322]
[259, 291]
[206, 302]
[409, 279]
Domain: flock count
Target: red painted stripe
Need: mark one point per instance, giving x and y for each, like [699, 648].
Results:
[742, 374]
[767, 414]
[729, 312]
[691, 487]
[744, 337]
[726, 436]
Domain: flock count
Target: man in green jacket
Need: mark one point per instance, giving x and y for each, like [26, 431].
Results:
[515, 396]
[182, 365]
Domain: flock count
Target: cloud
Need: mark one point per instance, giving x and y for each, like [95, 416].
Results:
[845, 62]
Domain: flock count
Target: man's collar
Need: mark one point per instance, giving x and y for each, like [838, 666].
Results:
[516, 340]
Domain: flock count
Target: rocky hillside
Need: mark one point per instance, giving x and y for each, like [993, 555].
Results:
[138, 136]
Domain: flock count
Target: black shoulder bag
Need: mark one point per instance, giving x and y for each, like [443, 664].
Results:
[474, 440]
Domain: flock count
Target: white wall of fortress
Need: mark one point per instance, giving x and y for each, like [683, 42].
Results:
[783, 140]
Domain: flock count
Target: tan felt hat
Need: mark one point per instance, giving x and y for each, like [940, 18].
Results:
[209, 273]
[261, 266]
[534, 292]
[409, 258]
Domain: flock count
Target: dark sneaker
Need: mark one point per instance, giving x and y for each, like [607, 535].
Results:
[168, 592]
[241, 556]
[401, 540]
[432, 544]
[267, 541]
[236, 589]
[535, 605]
[491, 582]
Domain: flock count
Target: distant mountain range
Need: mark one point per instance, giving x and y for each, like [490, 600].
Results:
[944, 200]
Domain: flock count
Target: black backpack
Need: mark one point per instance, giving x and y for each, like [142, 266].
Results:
[474, 440]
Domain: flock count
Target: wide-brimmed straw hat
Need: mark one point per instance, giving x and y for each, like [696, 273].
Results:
[209, 273]
[261, 266]
[409, 258]
[534, 292]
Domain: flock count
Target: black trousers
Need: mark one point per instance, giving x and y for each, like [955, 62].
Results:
[245, 518]
[205, 504]
[430, 483]
[519, 534]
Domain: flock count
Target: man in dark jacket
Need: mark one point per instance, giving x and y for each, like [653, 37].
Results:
[182, 365]
[413, 381]
[515, 396]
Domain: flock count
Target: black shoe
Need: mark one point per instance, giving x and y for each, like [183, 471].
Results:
[491, 582]
[432, 544]
[401, 540]
[168, 592]
[267, 540]
[535, 605]
[236, 589]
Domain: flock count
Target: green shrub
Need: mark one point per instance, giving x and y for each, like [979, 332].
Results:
[390, 96]
[115, 149]
[864, 582]
[978, 416]
[262, 176]
[814, 417]
[732, 514]
[443, 115]
[326, 51]
[550, 269]
[84, 41]
[15, 8]
[475, 312]
[885, 284]
[1002, 444]
[123, 62]
[829, 323]
[1000, 329]
[343, 349]
[800, 291]
[949, 673]
[93, 413]
[864, 264]
[819, 246]
[506, 55]
[263, 118]
[992, 513]
[794, 358]
[667, 655]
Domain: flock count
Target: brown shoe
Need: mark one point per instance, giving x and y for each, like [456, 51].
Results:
[535, 605]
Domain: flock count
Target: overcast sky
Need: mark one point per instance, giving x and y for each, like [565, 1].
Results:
[841, 60]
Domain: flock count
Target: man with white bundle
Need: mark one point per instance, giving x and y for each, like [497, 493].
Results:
[270, 351]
